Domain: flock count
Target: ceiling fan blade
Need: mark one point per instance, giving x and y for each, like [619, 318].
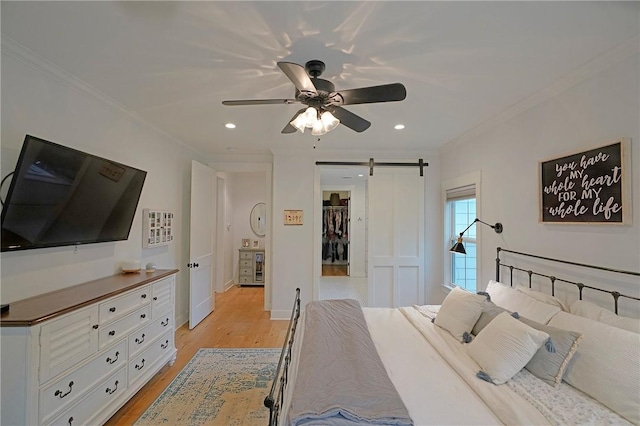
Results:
[349, 119]
[260, 102]
[289, 128]
[298, 76]
[366, 95]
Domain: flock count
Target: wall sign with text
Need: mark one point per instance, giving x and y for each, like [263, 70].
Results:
[293, 217]
[588, 187]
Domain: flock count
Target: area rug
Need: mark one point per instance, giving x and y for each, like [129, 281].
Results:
[217, 387]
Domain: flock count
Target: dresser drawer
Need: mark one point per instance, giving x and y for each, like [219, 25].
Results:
[91, 406]
[245, 280]
[246, 264]
[162, 296]
[246, 255]
[119, 329]
[144, 363]
[120, 306]
[66, 390]
[67, 341]
[143, 337]
[246, 271]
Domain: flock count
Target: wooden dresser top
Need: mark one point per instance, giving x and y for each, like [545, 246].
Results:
[34, 310]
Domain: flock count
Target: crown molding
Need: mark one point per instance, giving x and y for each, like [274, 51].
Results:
[29, 58]
[600, 63]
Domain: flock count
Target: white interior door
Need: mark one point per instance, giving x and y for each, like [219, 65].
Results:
[201, 243]
[396, 237]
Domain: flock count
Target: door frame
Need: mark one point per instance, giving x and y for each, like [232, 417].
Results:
[267, 168]
[318, 187]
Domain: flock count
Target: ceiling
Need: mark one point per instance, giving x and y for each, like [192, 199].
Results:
[173, 63]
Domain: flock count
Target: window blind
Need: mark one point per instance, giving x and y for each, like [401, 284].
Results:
[461, 192]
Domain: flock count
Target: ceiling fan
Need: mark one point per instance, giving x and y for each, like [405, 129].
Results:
[320, 98]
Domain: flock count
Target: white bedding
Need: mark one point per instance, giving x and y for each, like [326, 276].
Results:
[443, 391]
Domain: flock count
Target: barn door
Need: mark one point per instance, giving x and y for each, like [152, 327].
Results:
[396, 237]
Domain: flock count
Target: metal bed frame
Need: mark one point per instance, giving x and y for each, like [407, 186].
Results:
[581, 286]
[275, 400]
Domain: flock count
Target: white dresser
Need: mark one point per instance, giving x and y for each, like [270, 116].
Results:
[75, 356]
[251, 267]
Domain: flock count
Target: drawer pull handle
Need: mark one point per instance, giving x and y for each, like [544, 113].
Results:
[155, 298]
[143, 316]
[138, 341]
[165, 344]
[140, 367]
[112, 333]
[110, 361]
[95, 326]
[144, 296]
[70, 420]
[165, 322]
[62, 395]
[112, 309]
[109, 391]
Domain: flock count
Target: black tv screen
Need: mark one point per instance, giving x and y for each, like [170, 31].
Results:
[60, 196]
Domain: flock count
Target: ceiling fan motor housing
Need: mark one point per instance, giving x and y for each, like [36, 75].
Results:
[315, 68]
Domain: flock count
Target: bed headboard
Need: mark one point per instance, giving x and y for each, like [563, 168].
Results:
[553, 279]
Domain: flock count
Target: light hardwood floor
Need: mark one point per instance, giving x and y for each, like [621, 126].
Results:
[238, 321]
[334, 270]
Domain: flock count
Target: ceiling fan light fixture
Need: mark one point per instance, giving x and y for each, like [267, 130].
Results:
[300, 122]
[318, 128]
[329, 121]
[311, 116]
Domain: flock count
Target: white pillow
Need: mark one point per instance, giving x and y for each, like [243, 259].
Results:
[606, 364]
[595, 312]
[505, 346]
[543, 297]
[459, 312]
[517, 301]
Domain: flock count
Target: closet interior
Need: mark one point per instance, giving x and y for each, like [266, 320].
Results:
[335, 233]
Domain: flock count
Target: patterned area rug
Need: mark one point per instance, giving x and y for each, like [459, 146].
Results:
[217, 387]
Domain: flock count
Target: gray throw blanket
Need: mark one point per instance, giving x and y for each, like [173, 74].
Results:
[340, 378]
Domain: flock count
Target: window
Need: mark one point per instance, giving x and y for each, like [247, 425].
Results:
[461, 208]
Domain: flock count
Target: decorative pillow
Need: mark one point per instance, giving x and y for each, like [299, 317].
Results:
[517, 301]
[504, 347]
[605, 365]
[489, 312]
[459, 312]
[549, 366]
[595, 312]
[543, 297]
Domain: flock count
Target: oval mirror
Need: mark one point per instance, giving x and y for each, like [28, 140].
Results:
[258, 219]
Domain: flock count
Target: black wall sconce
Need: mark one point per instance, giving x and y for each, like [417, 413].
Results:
[459, 248]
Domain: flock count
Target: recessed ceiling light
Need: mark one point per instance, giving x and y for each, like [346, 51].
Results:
[230, 126]
[399, 126]
[360, 175]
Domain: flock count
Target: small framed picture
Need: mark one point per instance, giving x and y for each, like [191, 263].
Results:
[245, 242]
[256, 244]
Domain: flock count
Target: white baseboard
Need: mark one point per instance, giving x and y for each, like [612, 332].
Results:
[281, 315]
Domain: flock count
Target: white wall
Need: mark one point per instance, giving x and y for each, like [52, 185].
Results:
[50, 104]
[603, 108]
[293, 246]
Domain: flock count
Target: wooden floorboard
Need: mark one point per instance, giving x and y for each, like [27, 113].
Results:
[238, 321]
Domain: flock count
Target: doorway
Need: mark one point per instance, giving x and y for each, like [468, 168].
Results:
[342, 273]
[335, 233]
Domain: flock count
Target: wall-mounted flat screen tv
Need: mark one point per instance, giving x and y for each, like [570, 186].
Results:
[60, 196]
